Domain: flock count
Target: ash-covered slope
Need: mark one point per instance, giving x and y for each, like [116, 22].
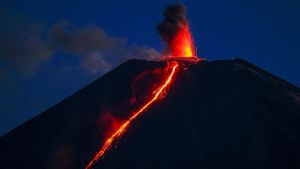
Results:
[219, 114]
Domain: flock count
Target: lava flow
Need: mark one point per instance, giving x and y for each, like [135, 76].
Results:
[120, 131]
[175, 31]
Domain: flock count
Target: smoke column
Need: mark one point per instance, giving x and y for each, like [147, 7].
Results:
[175, 32]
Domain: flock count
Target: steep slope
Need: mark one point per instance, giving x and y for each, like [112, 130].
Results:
[66, 135]
[219, 114]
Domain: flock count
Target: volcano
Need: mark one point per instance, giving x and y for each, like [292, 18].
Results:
[216, 114]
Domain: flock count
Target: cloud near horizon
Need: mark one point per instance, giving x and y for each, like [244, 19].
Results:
[26, 45]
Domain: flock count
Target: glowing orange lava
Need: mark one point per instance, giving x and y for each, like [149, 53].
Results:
[120, 131]
[182, 45]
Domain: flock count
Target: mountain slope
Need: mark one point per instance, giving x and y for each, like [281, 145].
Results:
[218, 114]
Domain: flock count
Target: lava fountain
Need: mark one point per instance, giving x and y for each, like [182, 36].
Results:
[175, 32]
[182, 45]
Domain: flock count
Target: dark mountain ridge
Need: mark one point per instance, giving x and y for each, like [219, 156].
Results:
[216, 114]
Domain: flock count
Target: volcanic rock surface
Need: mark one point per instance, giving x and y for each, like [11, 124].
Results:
[216, 115]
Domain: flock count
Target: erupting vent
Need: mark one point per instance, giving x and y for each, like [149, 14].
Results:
[175, 31]
[182, 44]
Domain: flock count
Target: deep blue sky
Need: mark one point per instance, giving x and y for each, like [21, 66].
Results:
[266, 33]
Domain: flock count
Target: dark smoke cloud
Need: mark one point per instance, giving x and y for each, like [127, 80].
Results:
[23, 44]
[174, 19]
[81, 40]
[89, 44]
[97, 51]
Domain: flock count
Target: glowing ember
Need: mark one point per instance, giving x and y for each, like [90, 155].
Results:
[120, 131]
[182, 45]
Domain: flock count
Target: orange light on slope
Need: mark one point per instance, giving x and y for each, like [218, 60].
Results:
[182, 44]
[117, 134]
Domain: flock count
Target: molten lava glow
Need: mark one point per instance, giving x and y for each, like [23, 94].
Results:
[120, 131]
[182, 45]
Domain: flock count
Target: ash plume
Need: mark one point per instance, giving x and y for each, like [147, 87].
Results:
[23, 45]
[173, 21]
[97, 51]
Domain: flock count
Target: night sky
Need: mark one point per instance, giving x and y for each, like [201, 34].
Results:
[51, 49]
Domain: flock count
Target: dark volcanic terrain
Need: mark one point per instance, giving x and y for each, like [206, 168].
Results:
[216, 115]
